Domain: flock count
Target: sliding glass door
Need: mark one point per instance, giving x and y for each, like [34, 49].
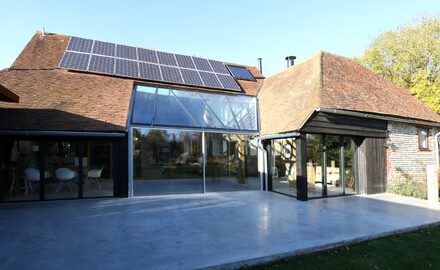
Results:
[330, 165]
[47, 169]
[167, 162]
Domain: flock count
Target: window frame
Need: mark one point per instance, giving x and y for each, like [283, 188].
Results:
[419, 130]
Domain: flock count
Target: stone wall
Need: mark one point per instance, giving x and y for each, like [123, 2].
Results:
[404, 158]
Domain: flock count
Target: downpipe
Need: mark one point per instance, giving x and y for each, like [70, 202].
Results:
[437, 154]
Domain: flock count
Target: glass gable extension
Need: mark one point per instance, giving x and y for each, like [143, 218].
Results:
[192, 142]
[164, 107]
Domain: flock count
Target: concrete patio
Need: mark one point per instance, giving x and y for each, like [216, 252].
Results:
[224, 230]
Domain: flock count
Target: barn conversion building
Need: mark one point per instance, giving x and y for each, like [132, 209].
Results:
[95, 119]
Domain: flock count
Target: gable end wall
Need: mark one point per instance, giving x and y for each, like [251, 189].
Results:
[404, 152]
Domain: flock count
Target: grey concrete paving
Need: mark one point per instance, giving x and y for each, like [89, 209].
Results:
[193, 231]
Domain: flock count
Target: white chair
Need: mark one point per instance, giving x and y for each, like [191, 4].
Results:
[94, 175]
[65, 176]
[33, 175]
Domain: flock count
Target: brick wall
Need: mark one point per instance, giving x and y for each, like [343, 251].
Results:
[404, 152]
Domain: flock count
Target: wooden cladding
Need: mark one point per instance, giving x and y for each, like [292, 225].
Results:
[345, 125]
[372, 166]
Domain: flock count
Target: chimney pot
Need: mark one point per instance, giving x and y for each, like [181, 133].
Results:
[260, 64]
[290, 60]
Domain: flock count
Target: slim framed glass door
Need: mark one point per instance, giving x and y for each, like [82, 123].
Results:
[331, 169]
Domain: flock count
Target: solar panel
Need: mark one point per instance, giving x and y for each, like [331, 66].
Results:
[126, 52]
[166, 58]
[209, 79]
[228, 82]
[102, 64]
[121, 60]
[191, 77]
[149, 71]
[185, 61]
[78, 61]
[80, 45]
[240, 73]
[218, 67]
[202, 64]
[104, 48]
[147, 55]
[171, 74]
[126, 68]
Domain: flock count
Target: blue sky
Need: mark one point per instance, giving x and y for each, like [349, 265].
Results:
[234, 31]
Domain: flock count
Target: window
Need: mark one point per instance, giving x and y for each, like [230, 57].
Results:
[241, 73]
[423, 139]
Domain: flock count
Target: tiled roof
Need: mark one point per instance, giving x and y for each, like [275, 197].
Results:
[57, 99]
[330, 81]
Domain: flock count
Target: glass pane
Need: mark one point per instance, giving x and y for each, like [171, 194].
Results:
[350, 179]
[334, 181]
[19, 170]
[169, 112]
[220, 106]
[193, 103]
[226, 166]
[241, 73]
[62, 168]
[167, 162]
[423, 139]
[144, 105]
[314, 166]
[245, 110]
[284, 166]
[98, 170]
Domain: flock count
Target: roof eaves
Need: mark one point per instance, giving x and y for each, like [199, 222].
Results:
[379, 117]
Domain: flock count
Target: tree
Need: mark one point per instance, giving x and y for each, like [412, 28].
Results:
[409, 57]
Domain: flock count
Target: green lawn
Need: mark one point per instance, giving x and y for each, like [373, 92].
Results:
[414, 250]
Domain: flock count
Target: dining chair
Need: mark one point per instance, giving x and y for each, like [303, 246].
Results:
[64, 176]
[94, 175]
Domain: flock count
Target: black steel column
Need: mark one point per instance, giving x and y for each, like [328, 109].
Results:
[42, 167]
[267, 144]
[80, 149]
[324, 166]
[301, 167]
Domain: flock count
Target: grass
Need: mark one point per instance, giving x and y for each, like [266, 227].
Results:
[412, 250]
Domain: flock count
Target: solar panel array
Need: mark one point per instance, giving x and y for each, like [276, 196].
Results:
[120, 60]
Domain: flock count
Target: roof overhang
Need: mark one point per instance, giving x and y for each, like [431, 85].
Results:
[7, 95]
[380, 117]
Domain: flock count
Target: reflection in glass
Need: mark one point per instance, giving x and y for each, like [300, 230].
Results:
[168, 111]
[334, 179]
[19, 170]
[231, 163]
[98, 170]
[314, 166]
[350, 175]
[167, 162]
[194, 104]
[144, 105]
[62, 163]
[219, 104]
[179, 108]
[284, 166]
[245, 111]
